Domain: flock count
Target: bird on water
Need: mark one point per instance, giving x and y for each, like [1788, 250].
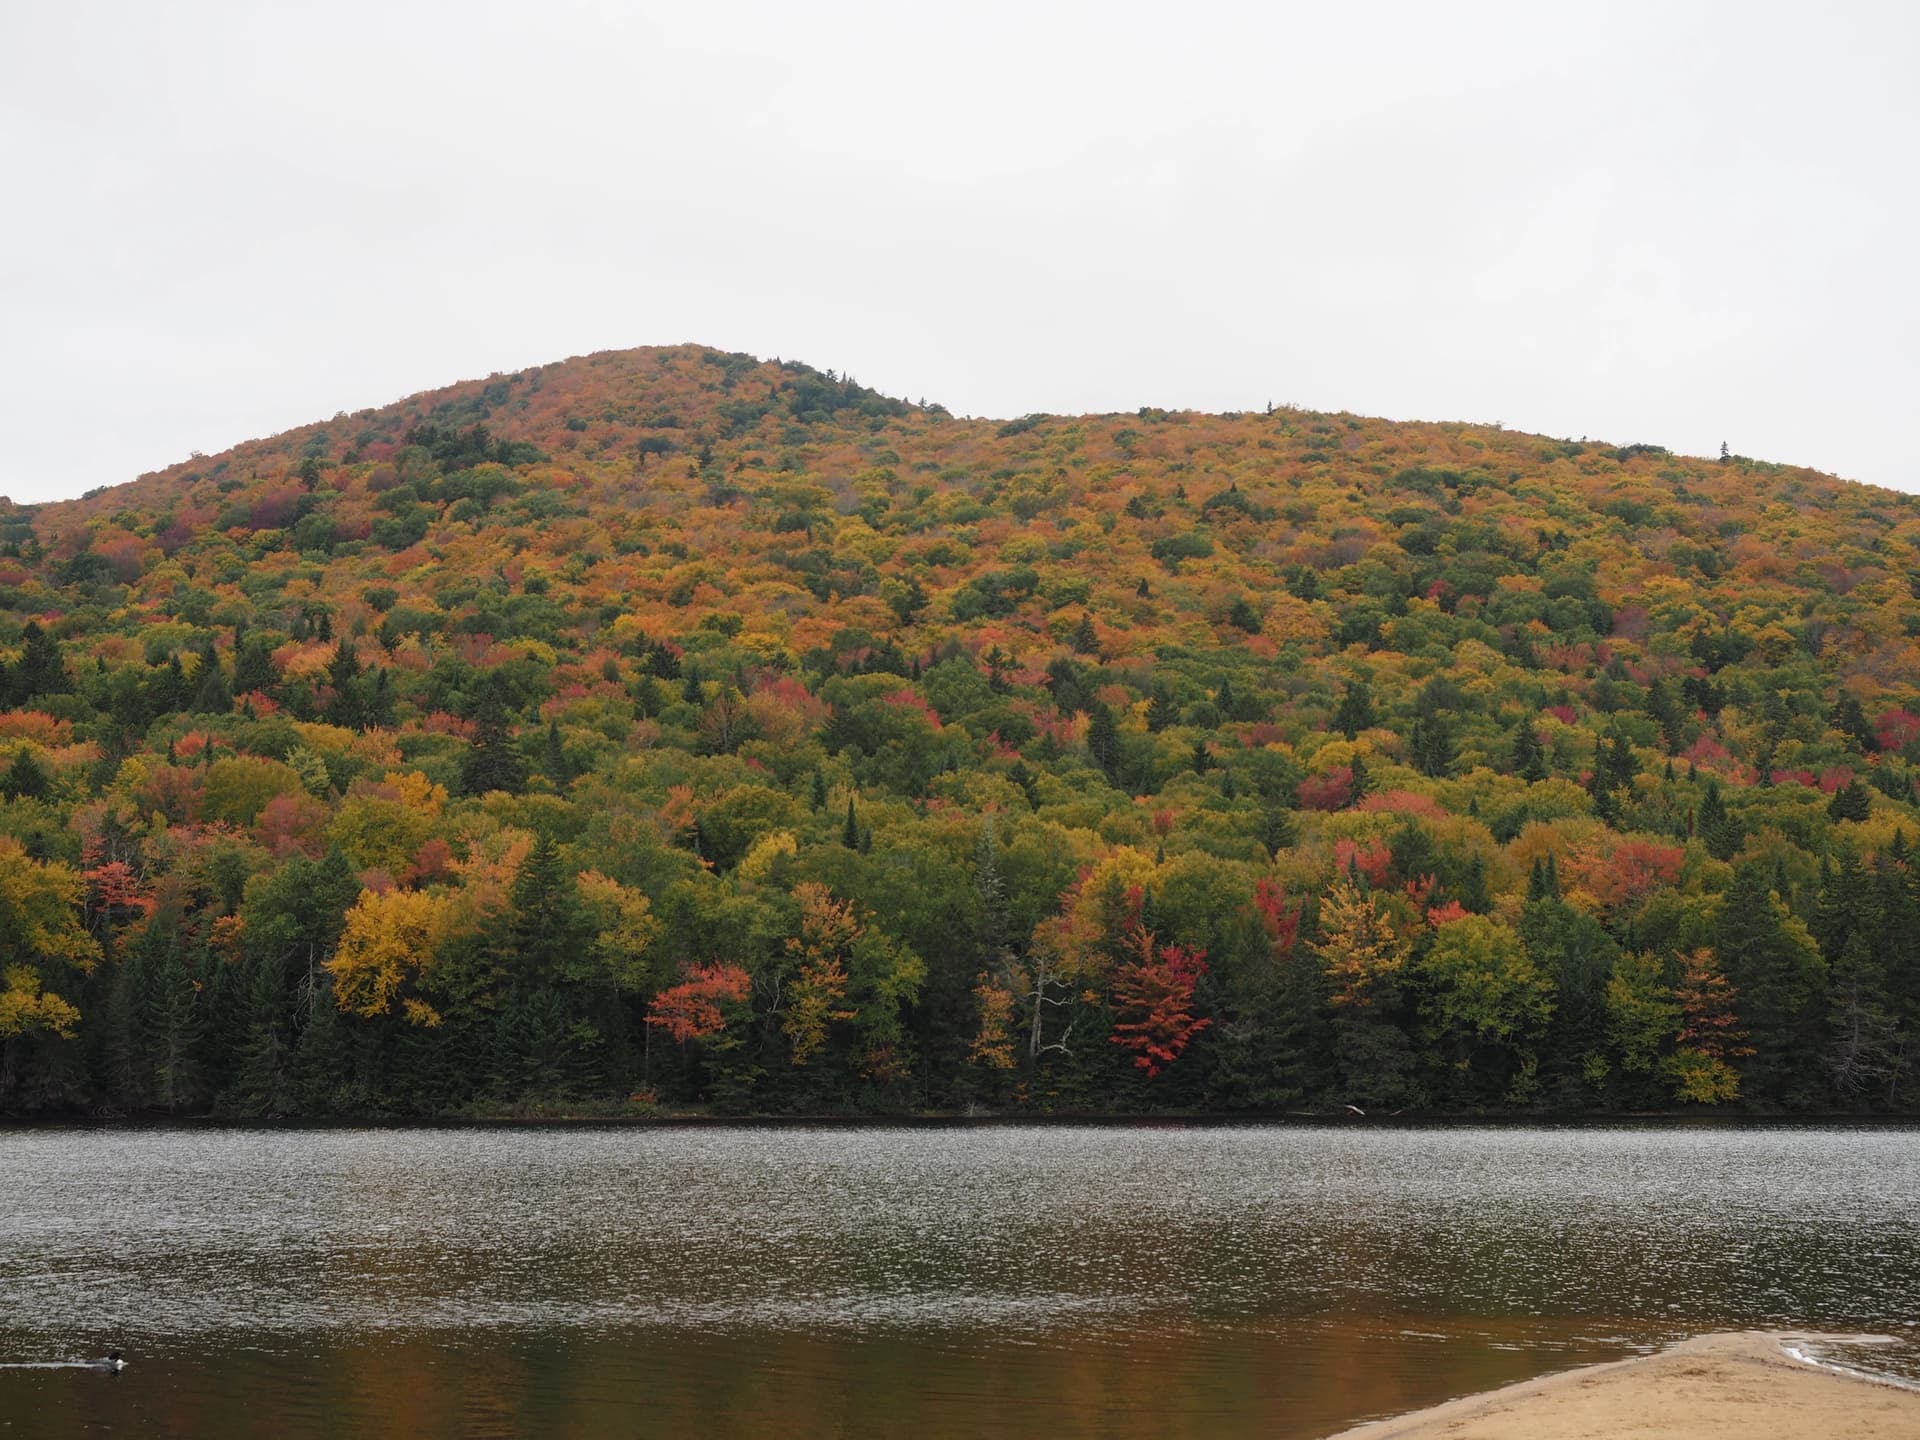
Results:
[112, 1362]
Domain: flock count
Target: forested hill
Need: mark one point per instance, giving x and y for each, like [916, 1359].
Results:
[670, 727]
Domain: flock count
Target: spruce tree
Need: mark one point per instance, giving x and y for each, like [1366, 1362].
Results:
[493, 761]
[25, 779]
[1719, 830]
[1103, 740]
[1777, 975]
[210, 693]
[1161, 711]
[1355, 712]
[1529, 758]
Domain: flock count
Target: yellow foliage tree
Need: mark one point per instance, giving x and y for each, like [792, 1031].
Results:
[1362, 952]
[388, 941]
[828, 929]
[38, 927]
[625, 929]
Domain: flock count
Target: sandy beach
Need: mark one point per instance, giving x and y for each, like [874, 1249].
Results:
[1742, 1385]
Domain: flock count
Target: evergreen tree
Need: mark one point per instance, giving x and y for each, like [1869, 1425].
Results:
[1361, 781]
[1103, 740]
[40, 670]
[168, 1018]
[1161, 711]
[1777, 975]
[553, 757]
[543, 940]
[210, 693]
[1085, 641]
[1851, 721]
[1719, 830]
[1850, 802]
[348, 706]
[1433, 745]
[253, 666]
[378, 699]
[1355, 712]
[1029, 787]
[493, 761]
[1529, 758]
[25, 779]
[1474, 896]
[1575, 952]
[167, 689]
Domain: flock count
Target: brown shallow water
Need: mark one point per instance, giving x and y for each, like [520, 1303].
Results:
[1162, 1281]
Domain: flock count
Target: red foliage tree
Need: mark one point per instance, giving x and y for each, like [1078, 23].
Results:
[691, 1010]
[1373, 860]
[1279, 916]
[1153, 996]
[1897, 729]
[1327, 791]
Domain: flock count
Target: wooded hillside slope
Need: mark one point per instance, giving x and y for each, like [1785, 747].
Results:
[674, 727]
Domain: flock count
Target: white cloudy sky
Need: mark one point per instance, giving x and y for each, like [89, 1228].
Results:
[1678, 223]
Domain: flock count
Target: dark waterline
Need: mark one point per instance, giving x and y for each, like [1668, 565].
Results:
[1161, 1280]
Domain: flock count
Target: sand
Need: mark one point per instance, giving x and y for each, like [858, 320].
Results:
[1733, 1385]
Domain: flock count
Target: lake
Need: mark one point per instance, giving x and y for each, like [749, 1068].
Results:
[1145, 1280]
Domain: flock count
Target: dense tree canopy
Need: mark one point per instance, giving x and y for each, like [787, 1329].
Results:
[676, 725]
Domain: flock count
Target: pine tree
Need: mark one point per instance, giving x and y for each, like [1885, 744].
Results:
[850, 832]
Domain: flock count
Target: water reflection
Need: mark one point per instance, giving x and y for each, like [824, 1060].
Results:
[1021, 1281]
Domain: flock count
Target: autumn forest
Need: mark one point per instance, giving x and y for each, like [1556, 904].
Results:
[671, 731]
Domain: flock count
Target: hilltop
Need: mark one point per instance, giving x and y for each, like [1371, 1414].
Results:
[720, 730]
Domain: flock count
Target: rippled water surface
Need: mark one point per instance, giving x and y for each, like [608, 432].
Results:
[1019, 1281]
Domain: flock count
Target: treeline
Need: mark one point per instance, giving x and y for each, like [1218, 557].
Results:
[264, 942]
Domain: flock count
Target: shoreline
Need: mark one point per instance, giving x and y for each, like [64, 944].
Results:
[961, 1120]
[1728, 1385]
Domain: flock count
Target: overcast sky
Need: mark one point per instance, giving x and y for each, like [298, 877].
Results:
[1674, 223]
